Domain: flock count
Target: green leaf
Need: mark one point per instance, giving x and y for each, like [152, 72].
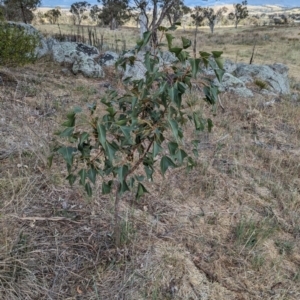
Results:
[181, 155]
[175, 96]
[156, 148]
[67, 153]
[83, 137]
[175, 50]
[71, 119]
[149, 172]
[122, 172]
[145, 40]
[165, 163]
[71, 178]
[170, 38]
[195, 152]
[91, 174]
[123, 188]
[50, 159]
[88, 189]
[126, 130]
[77, 109]
[217, 54]
[205, 57]
[67, 132]
[198, 122]
[106, 187]
[173, 147]
[110, 151]
[195, 66]
[101, 134]
[141, 190]
[186, 43]
[190, 163]
[131, 182]
[174, 127]
[209, 125]
[139, 177]
[82, 174]
[219, 74]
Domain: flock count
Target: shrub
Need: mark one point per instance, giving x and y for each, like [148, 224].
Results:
[140, 128]
[16, 46]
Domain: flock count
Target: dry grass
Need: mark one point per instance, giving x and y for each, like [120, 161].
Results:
[229, 229]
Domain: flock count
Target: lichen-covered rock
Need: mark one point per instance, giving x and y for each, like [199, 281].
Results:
[108, 58]
[42, 49]
[275, 76]
[62, 51]
[86, 65]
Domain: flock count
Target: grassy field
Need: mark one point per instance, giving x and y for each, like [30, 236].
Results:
[229, 229]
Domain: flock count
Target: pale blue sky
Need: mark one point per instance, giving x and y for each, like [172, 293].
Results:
[286, 3]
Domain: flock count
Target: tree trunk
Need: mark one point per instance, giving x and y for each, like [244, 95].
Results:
[23, 13]
[113, 24]
[143, 24]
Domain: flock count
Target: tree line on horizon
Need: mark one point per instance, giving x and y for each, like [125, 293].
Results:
[149, 14]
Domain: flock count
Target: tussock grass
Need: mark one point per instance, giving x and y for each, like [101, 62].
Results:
[229, 229]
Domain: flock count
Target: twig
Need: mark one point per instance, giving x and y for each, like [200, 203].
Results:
[55, 219]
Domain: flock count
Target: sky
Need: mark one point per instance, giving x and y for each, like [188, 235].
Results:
[285, 3]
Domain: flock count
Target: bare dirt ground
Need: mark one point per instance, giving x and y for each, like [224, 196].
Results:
[229, 229]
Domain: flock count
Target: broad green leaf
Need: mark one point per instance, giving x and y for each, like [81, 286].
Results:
[211, 94]
[106, 187]
[205, 57]
[219, 74]
[91, 174]
[156, 149]
[175, 96]
[170, 38]
[71, 120]
[186, 43]
[83, 137]
[126, 130]
[110, 151]
[139, 177]
[71, 178]
[217, 54]
[195, 66]
[173, 147]
[122, 172]
[131, 182]
[77, 109]
[121, 122]
[82, 174]
[195, 152]
[88, 189]
[174, 127]
[123, 188]
[175, 50]
[141, 190]
[181, 155]
[198, 122]
[145, 40]
[149, 172]
[165, 163]
[67, 154]
[92, 107]
[101, 134]
[67, 132]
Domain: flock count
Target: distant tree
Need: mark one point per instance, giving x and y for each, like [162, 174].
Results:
[159, 10]
[240, 13]
[95, 12]
[20, 10]
[177, 11]
[213, 17]
[52, 15]
[198, 19]
[114, 12]
[78, 9]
